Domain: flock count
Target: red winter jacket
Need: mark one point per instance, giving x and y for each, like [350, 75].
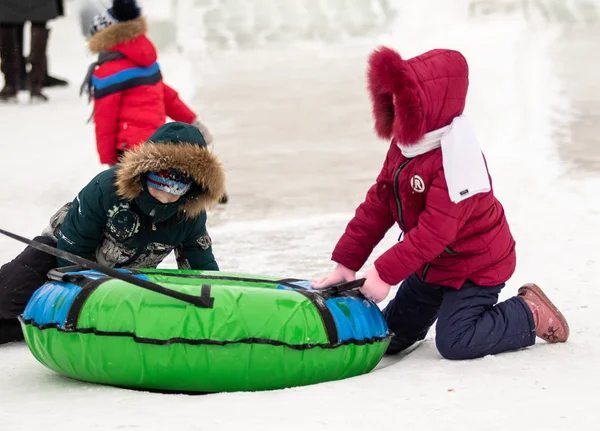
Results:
[131, 100]
[444, 243]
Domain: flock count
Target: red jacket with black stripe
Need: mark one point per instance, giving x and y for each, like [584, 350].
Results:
[444, 243]
[131, 100]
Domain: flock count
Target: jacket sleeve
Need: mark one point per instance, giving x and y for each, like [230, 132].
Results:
[175, 108]
[196, 250]
[437, 226]
[372, 219]
[106, 118]
[83, 226]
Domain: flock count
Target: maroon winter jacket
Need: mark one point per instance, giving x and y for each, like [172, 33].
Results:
[444, 243]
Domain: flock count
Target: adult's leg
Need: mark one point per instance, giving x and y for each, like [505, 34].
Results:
[37, 58]
[9, 57]
[22, 58]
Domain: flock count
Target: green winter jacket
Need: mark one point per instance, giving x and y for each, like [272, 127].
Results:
[116, 222]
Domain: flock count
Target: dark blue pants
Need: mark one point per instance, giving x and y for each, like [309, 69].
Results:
[469, 322]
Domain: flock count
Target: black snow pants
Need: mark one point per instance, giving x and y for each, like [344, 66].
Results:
[19, 279]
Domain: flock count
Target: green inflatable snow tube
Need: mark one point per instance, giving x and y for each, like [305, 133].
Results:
[250, 332]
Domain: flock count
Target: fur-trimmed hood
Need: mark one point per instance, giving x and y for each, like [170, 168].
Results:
[416, 96]
[116, 34]
[190, 158]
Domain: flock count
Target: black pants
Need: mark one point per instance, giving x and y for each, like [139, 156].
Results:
[470, 322]
[19, 279]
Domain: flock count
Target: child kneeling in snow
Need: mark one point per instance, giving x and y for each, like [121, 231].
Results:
[133, 215]
[458, 251]
[130, 98]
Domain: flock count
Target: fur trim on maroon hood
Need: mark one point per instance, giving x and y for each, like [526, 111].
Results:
[416, 96]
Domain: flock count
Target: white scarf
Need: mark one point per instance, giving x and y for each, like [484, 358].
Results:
[464, 166]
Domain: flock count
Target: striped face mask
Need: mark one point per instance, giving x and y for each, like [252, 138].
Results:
[171, 181]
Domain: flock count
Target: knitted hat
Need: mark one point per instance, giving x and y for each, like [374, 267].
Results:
[121, 10]
[170, 181]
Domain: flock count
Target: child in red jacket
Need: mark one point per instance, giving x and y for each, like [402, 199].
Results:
[131, 100]
[457, 250]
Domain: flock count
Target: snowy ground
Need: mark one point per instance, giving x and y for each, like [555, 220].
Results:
[293, 126]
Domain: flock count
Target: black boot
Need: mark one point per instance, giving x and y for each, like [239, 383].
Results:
[10, 62]
[397, 346]
[49, 81]
[10, 330]
[37, 57]
[52, 81]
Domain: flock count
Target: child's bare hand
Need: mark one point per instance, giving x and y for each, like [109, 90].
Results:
[374, 289]
[204, 130]
[341, 273]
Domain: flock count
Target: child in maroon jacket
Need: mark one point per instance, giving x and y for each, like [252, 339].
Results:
[457, 250]
[131, 100]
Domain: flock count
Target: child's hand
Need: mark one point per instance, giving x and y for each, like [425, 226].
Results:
[204, 130]
[374, 288]
[341, 273]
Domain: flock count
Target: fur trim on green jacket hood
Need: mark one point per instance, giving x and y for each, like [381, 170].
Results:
[174, 146]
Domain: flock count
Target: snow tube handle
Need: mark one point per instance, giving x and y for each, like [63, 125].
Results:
[202, 301]
[336, 289]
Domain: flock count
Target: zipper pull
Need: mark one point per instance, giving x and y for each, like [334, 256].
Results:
[152, 213]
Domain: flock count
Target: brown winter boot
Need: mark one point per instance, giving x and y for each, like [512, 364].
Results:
[550, 324]
[37, 58]
[10, 63]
